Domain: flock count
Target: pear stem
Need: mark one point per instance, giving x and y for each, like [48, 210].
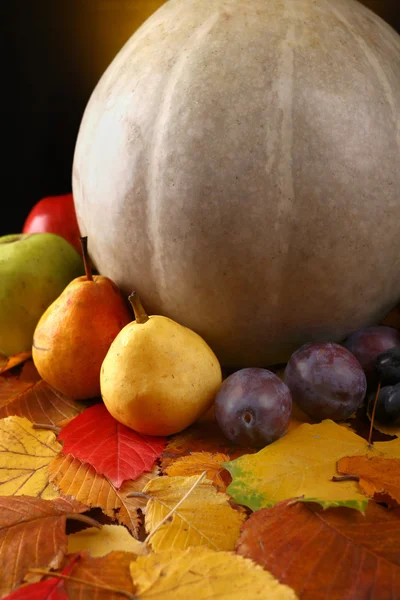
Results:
[86, 260]
[140, 314]
[84, 519]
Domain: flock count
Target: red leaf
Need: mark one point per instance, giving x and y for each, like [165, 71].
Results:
[113, 449]
[50, 589]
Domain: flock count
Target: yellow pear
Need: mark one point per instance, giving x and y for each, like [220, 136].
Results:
[158, 377]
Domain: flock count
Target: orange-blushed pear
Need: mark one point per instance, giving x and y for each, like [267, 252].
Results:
[74, 334]
[158, 376]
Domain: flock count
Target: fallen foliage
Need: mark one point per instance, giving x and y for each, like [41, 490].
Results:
[32, 535]
[80, 480]
[334, 553]
[301, 464]
[203, 574]
[378, 477]
[113, 449]
[205, 518]
[25, 453]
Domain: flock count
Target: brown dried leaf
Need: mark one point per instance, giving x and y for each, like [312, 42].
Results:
[38, 402]
[198, 462]
[11, 387]
[80, 480]
[32, 535]
[200, 437]
[111, 571]
[379, 477]
[332, 553]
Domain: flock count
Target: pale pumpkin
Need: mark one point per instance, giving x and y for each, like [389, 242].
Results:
[238, 164]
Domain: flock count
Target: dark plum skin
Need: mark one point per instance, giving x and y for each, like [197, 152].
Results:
[326, 381]
[388, 405]
[253, 407]
[387, 366]
[368, 342]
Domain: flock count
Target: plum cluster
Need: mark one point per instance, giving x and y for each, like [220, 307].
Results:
[378, 351]
[326, 380]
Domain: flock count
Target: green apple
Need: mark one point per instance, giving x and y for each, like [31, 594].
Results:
[34, 270]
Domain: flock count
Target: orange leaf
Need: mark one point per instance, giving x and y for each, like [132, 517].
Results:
[379, 477]
[198, 462]
[9, 362]
[80, 480]
[32, 535]
[332, 553]
[38, 402]
[200, 437]
[111, 571]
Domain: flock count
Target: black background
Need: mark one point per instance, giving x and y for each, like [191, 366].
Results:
[54, 53]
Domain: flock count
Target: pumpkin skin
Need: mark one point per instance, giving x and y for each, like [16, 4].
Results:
[238, 165]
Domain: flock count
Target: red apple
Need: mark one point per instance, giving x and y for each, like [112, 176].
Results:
[55, 214]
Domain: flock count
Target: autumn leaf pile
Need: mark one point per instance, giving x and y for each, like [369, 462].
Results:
[89, 509]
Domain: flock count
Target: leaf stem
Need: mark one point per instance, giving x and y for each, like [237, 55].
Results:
[138, 495]
[373, 415]
[84, 582]
[86, 260]
[84, 519]
[345, 478]
[171, 512]
[47, 426]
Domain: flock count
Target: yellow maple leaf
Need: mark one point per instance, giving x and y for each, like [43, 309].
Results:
[198, 462]
[100, 542]
[301, 464]
[25, 453]
[202, 574]
[80, 480]
[205, 518]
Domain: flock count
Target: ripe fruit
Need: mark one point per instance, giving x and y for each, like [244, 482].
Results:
[368, 342]
[34, 270]
[326, 381]
[253, 407]
[76, 331]
[158, 377]
[231, 166]
[387, 409]
[55, 214]
[387, 366]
